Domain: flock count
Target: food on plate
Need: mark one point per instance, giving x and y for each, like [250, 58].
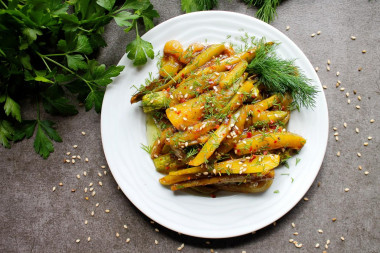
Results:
[221, 115]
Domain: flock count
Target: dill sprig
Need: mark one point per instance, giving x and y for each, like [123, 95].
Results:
[281, 76]
[267, 9]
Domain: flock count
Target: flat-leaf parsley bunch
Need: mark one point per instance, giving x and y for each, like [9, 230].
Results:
[48, 48]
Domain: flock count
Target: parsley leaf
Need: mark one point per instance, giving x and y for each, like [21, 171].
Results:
[12, 108]
[138, 50]
[6, 133]
[42, 144]
[106, 4]
[76, 61]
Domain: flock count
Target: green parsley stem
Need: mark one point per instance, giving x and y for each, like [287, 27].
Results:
[5, 6]
[48, 55]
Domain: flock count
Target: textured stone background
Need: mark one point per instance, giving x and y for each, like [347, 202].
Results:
[35, 219]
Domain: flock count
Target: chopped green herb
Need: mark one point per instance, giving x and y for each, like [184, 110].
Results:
[276, 191]
[298, 160]
[146, 148]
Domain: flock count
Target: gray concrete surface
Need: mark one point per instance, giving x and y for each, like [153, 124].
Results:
[33, 218]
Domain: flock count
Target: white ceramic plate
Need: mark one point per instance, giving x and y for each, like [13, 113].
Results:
[123, 130]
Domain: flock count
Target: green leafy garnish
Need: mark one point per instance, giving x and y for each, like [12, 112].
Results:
[146, 148]
[298, 160]
[197, 5]
[48, 49]
[276, 191]
[281, 76]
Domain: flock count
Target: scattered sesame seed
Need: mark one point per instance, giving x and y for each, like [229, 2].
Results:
[345, 125]
[85, 222]
[306, 199]
[360, 167]
[333, 219]
[293, 225]
[357, 130]
[151, 222]
[287, 28]
[317, 245]
[91, 184]
[319, 32]
[326, 246]
[73, 190]
[347, 94]
[72, 161]
[316, 69]
[99, 174]
[75, 146]
[337, 73]
[348, 101]
[155, 242]
[365, 143]
[328, 68]
[68, 153]
[93, 193]
[346, 189]
[336, 138]
[244, 251]
[354, 91]
[103, 166]
[320, 231]
[337, 85]
[88, 239]
[338, 153]
[360, 69]
[100, 183]
[97, 204]
[342, 238]
[67, 160]
[60, 184]
[54, 188]
[274, 223]
[359, 98]
[91, 189]
[117, 234]
[85, 189]
[319, 184]
[364, 51]
[335, 128]
[313, 34]
[77, 240]
[86, 159]
[92, 213]
[83, 133]
[324, 87]
[359, 155]
[336, 134]
[357, 107]
[181, 247]
[342, 89]
[156, 229]
[78, 176]
[298, 245]
[366, 173]
[107, 211]
[372, 120]
[369, 138]
[128, 240]
[353, 37]
[295, 233]
[328, 62]
[328, 242]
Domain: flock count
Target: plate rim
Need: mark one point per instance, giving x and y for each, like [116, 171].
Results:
[225, 235]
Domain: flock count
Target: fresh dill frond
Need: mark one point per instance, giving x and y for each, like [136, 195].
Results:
[191, 152]
[281, 76]
[267, 9]
[147, 148]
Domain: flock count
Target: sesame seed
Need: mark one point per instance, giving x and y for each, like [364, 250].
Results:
[364, 51]
[328, 242]
[156, 229]
[73, 190]
[347, 94]
[86, 222]
[372, 120]
[360, 167]
[91, 184]
[348, 101]
[287, 28]
[320, 231]
[88, 239]
[335, 128]
[346, 189]
[360, 69]
[353, 37]
[359, 98]
[313, 34]
[181, 247]
[78, 176]
[60, 184]
[337, 73]
[326, 246]
[67, 160]
[357, 107]
[85, 189]
[75, 146]
[319, 32]
[345, 125]
[117, 234]
[342, 89]
[319, 184]
[336, 134]
[328, 62]
[316, 69]
[100, 183]
[366, 173]
[317, 245]
[342, 238]
[72, 161]
[295, 233]
[298, 245]
[155, 242]
[359, 155]
[293, 225]
[338, 153]
[77, 240]
[365, 143]
[86, 159]
[333, 219]
[128, 240]
[306, 199]
[369, 138]
[103, 166]
[68, 153]
[105, 172]
[83, 133]
[337, 85]
[151, 222]
[54, 188]
[291, 240]
[357, 130]
[107, 210]
[99, 174]
[92, 213]
[91, 189]
[93, 193]
[324, 87]
[328, 68]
